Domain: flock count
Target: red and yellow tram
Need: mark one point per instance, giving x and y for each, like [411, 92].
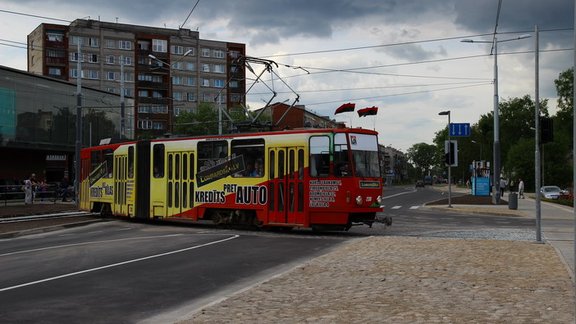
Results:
[313, 178]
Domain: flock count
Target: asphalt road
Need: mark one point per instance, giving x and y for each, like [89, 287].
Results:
[122, 272]
[126, 272]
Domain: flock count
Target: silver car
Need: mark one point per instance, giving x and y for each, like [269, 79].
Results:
[550, 192]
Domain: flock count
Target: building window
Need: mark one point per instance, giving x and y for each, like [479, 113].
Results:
[55, 36]
[143, 109]
[192, 51]
[177, 49]
[219, 83]
[218, 54]
[110, 43]
[207, 97]
[158, 125]
[74, 73]
[191, 96]
[55, 71]
[125, 44]
[143, 93]
[93, 58]
[177, 96]
[190, 66]
[157, 94]
[92, 74]
[178, 65]
[176, 80]
[190, 81]
[205, 67]
[233, 84]
[144, 124]
[205, 82]
[206, 52]
[127, 60]
[110, 59]
[110, 76]
[74, 57]
[77, 40]
[218, 68]
[93, 42]
[159, 45]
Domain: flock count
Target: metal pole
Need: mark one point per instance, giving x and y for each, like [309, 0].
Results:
[574, 137]
[537, 138]
[449, 165]
[78, 128]
[122, 104]
[496, 184]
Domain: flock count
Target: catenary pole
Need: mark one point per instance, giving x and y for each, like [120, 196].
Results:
[537, 160]
[78, 127]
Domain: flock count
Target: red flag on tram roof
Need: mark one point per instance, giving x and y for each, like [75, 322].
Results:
[368, 111]
[345, 108]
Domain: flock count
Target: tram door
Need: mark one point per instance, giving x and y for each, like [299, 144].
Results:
[120, 184]
[286, 185]
[180, 186]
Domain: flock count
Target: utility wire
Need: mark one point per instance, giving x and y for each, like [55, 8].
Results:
[35, 16]
[189, 14]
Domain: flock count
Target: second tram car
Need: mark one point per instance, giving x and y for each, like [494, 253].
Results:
[313, 178]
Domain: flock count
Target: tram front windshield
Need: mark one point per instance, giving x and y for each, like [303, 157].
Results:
[365, 155]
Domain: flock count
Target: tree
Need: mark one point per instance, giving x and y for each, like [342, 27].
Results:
[204, 121]
[423, 156]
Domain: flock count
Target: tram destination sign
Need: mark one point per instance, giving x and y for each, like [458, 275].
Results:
[459, 129]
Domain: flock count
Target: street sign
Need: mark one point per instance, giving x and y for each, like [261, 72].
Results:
[460, 129]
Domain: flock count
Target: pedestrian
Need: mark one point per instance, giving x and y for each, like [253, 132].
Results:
[64, 184]
[29, 189]
[521, 188]
[502, 186]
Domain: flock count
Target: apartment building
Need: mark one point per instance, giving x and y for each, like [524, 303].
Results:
[166, 71]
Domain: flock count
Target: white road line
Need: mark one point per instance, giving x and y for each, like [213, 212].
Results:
[118, 264]
[396, 207]
[398, 194]
[88, 243]
[414, 207]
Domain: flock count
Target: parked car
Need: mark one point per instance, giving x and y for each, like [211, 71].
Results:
[551, 192]
[419, 183]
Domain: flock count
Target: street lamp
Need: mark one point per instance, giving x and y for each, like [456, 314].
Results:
[444, 113]
[496, 179]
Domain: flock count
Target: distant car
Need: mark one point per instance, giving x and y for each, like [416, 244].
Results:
[419, 183]
[551, 192]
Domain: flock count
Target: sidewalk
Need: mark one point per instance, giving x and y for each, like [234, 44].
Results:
[419, 280]
[557, 221]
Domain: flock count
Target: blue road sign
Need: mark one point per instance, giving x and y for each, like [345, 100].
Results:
[460, 129]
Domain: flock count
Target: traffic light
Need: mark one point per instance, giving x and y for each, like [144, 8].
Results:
[451, 153]
[546, 130]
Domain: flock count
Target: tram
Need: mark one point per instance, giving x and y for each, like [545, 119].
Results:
[325, 179]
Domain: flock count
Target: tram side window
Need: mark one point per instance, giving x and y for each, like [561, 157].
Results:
[319, 156]
[210, 153]
[341, 156]
[252, 152]
[109, 159]
[158, 161]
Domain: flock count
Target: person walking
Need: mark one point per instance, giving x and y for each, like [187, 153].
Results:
[520, 188]
[503, 184]
[29, 188]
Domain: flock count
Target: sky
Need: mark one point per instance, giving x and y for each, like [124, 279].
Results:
[404, 57]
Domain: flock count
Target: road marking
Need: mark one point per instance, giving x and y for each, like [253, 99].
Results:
[398, 194]
[90, 242]
[396, 207]
[414, 207]
[119, 264]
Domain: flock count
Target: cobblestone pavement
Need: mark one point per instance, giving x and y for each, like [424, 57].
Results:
[410, 280]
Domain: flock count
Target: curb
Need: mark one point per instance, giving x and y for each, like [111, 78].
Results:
[46, 229]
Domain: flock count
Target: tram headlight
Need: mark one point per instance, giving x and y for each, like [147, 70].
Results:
[359, 200]
[379, 200]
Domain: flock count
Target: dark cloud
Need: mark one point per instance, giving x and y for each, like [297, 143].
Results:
[515, 15]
